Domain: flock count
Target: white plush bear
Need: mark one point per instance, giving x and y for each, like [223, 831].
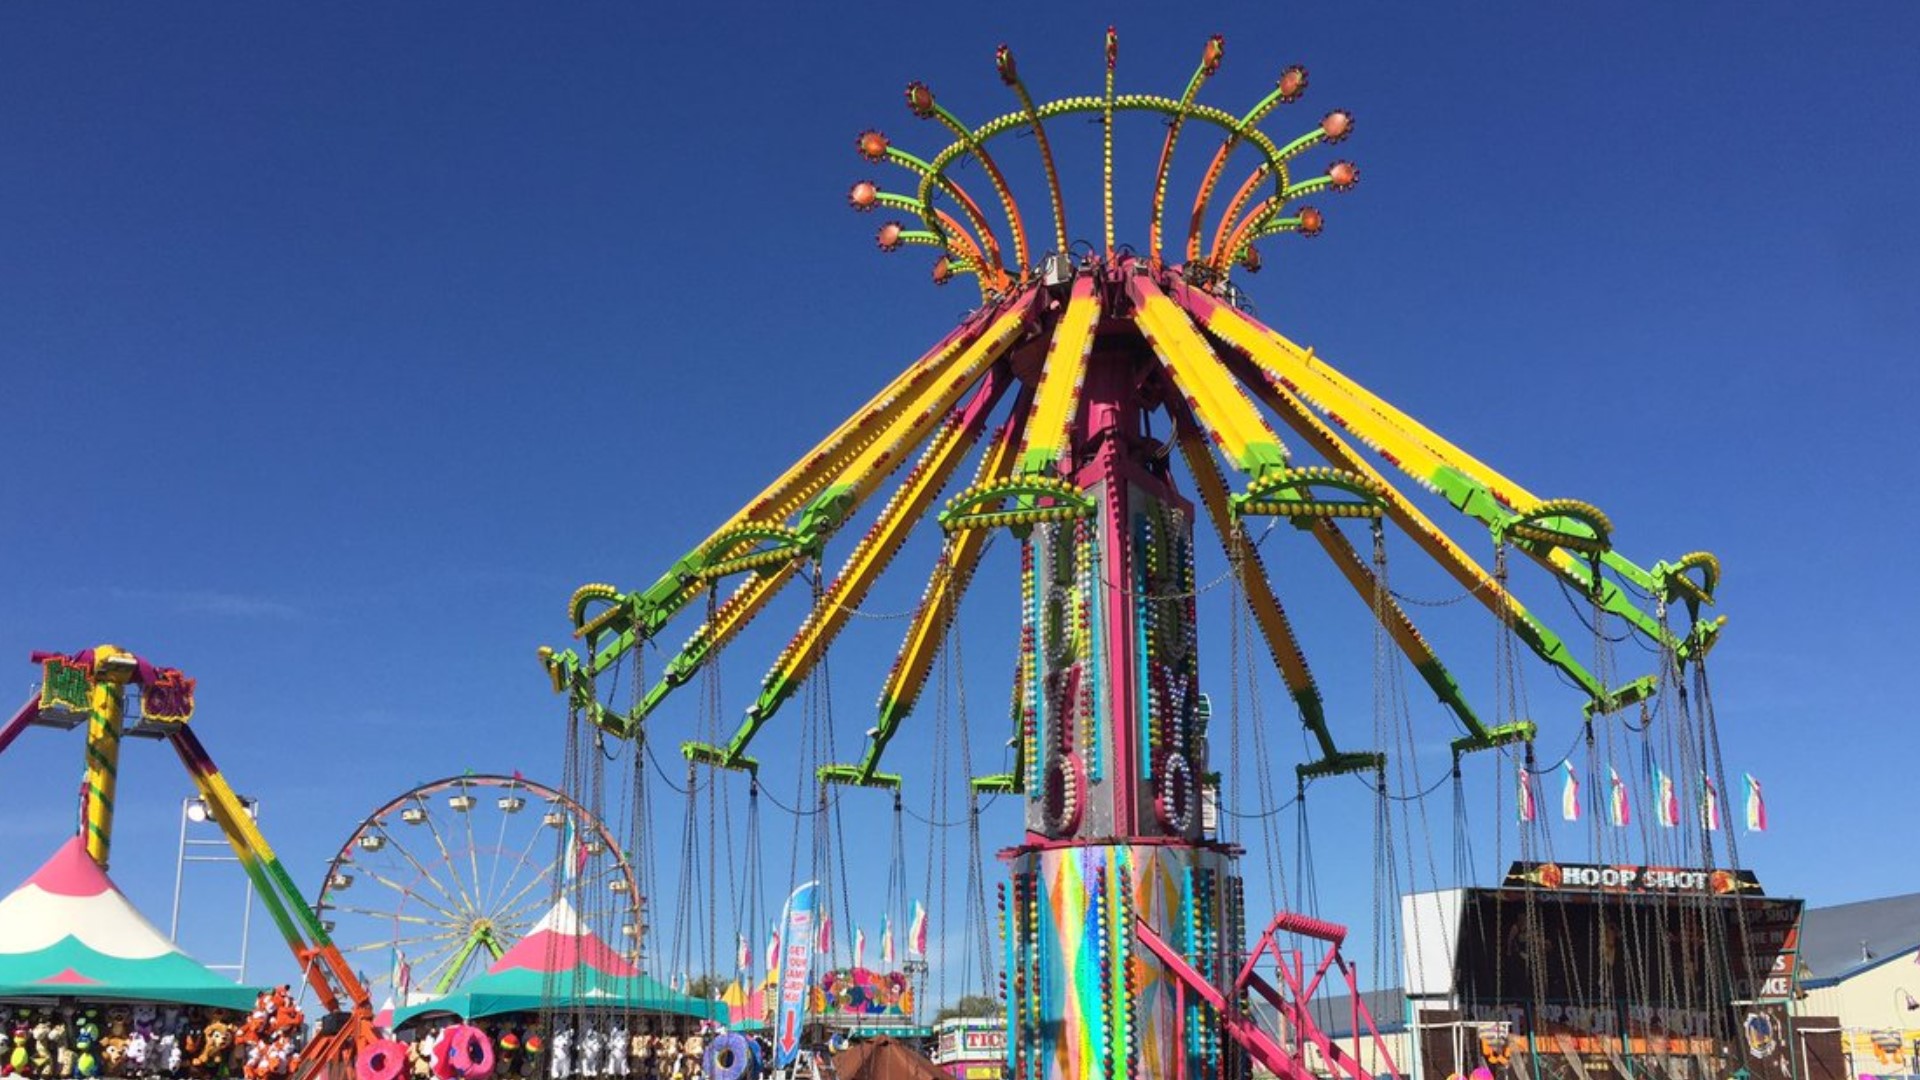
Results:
[618, 1046]
[593, 1048]
[560, 1055]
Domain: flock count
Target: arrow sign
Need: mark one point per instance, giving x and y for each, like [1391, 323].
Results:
[795, 961]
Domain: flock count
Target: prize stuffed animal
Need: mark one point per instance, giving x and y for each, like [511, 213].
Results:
[61, 1039]
[216, 1050]
[618, 1047]
[6, 1053]
[560, 1061]
[593, 1049]
[41, 1063]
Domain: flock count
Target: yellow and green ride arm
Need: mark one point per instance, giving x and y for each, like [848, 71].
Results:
[321, 963]
[878, 459]
[623, 619]
[1441, 548]
[1565, 536]
[1218, 404]
[1058, 399]
[1268, 614]
[864, 565]
[926, 635]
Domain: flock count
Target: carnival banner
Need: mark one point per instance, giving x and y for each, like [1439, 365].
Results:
[795, 971]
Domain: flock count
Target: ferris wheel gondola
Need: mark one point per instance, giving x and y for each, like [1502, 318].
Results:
[438, 883]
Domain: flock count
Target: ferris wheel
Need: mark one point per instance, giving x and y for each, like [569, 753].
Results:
[434, 886]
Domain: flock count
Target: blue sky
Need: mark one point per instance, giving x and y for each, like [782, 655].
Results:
[340, 344]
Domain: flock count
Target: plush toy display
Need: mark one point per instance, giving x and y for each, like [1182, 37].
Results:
[86, 1046]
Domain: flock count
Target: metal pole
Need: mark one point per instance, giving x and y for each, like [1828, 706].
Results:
[179, 868]
[252, 807]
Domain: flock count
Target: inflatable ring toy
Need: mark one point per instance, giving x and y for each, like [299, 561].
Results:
[381, 1059]
[1174, 799]
[730, 1057]
[463, 1052]
[1063, 794]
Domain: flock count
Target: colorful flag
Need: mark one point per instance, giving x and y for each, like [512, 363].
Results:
[1666, 800]
[917, 931]
[859, 947]
[826, 933]
[1709, 804]
[746, 954]
[575, 859]
[402, 977]
[1527, 809]
[773, 949]
[1617, 807]
[795, 978]
[1570, 795]
[1756, 806]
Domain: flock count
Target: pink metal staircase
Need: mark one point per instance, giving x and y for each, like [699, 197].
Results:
[1289, 1001]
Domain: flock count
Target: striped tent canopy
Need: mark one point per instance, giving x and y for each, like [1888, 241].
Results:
[69, 932]
[561, 964]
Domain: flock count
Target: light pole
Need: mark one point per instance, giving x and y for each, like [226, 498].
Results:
[194, 811]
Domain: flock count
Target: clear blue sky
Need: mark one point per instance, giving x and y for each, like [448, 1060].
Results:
[339, 344]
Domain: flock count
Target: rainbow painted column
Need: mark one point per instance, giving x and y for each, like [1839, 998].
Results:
[1115, 743]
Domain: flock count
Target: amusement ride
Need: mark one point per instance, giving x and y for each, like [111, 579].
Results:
[1099, 405]
[441, 881]
[1100, 410]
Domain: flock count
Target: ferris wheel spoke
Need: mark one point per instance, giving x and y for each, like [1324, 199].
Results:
[465, 907]
[473, 847]
[511, 902]
[414, 894]
[403, 943]
[499, 844]
[525, 860]
[391, 916]
[446, 856]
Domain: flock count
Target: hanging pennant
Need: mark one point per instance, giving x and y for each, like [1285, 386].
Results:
[1756, 806]
[1570, 795]
[917, 932]
[1709, 804]
[1526, 806]
[1666, 800]
[1618, 809]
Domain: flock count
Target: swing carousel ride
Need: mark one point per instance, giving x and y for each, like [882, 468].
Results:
[1099, 401]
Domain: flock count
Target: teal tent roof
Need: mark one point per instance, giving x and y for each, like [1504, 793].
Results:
[562, 965]
[68, 932]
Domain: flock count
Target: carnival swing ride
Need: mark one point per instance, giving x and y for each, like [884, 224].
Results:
[440, 881]
[117, 695]
[1066, 406]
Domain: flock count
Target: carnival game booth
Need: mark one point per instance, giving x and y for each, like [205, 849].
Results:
[1608, 972]
[93, 988]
